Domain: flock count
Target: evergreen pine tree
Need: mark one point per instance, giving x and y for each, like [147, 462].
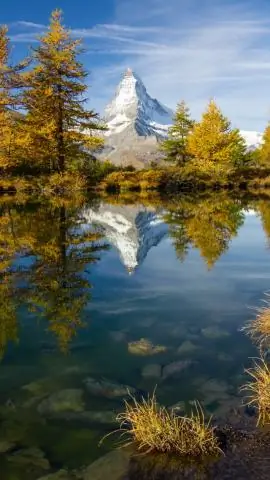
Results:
[175, 146]
[59, 130]
[215, 146]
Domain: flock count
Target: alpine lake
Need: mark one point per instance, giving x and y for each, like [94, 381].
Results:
[104, 296]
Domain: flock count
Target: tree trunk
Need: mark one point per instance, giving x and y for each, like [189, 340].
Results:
[60, 133]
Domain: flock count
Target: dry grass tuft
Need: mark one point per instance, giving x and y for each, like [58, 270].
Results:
[259, 329]
[259, 388]
[152, 428]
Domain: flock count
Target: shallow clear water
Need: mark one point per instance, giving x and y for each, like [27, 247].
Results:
[83, 280]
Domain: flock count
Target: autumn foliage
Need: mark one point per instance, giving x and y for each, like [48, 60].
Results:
[47, 129]
[57, 132]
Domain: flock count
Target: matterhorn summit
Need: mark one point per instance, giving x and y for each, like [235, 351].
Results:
[132, 107]
[136, 122]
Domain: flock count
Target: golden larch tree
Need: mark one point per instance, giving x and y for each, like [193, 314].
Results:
[214, 144]
[59, 129]
[10, 85]
[264, 150]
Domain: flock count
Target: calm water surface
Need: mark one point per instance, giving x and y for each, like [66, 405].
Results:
[81, 281]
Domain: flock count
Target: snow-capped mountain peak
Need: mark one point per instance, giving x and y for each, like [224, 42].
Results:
[133, 108]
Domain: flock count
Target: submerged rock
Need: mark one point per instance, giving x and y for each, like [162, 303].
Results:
[177, 331]
[144, 347]
[112, 466]
[106, 388]
[40, 387]
[118, 336]
[6, 446]
[214, 332]
[60, 475]
[186, 347]
[90, 417]
[214, 390]
[216, 386]
[153, 370]
[178, 408]
[68, 400]
[33, 457]
[225, 357]
[175, 368]
[147, 322]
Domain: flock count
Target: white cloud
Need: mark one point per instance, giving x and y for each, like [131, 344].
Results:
[192, 50]
[218, 52]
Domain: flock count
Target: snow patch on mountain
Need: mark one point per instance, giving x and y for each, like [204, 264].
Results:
[133, 106]
[132, 230]
[253, 139]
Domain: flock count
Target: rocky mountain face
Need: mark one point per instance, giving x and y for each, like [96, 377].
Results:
[133, 231]
[136, 123]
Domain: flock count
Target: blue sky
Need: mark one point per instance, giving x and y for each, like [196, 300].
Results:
[182, 49]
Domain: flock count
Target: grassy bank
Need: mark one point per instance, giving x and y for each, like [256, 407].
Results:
[109, 179]
[178, 179]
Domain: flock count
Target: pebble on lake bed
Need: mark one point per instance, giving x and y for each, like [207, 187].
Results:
[144, 347]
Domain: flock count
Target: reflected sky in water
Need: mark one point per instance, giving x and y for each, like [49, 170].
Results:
[80, 283]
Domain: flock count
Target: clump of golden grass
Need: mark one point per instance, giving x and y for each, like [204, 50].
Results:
[259, 388]
[259, 328]
[152, 428]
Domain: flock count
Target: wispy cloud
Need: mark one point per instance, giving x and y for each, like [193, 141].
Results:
[23, 23]
[220, 51]
[192, 50]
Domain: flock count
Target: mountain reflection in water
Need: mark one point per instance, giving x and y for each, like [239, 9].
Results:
[72, 315]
